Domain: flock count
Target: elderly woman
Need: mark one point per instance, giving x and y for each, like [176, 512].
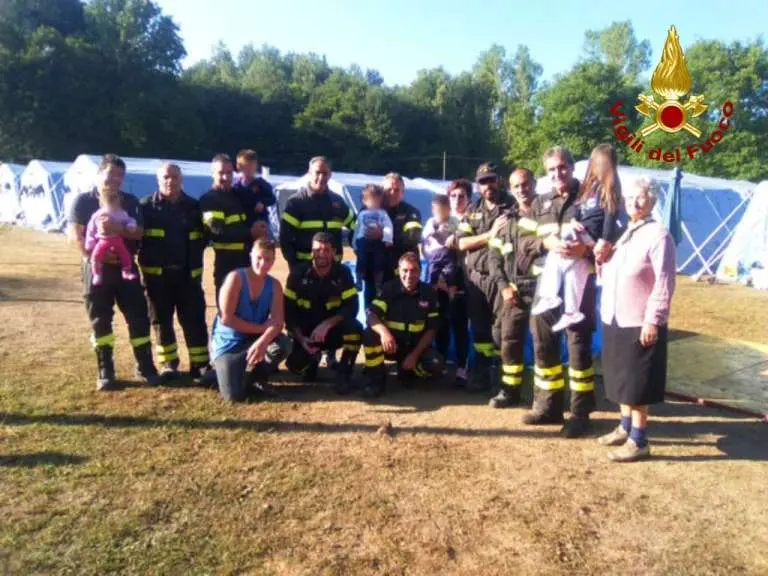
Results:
[248, 344]
[638, 283]
[456, 321]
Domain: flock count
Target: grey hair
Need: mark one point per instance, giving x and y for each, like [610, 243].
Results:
[647, 185]
[165, 165]
[560, 152]
[316, 159]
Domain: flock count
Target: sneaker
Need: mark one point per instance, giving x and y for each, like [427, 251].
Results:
[567, 320]
[576, 427]
[545, 304]
[630, 452]
[615, 437]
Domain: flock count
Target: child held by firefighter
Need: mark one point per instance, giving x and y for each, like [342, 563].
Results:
[595, 225]
[441, 261]
[372, 257]
[98, 245]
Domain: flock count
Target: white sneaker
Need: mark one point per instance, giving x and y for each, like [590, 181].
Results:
[567, 320]
[545, 304]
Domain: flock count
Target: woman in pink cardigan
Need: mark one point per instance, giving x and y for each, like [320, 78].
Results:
[638, 283]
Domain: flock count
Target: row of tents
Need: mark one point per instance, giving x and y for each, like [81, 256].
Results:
[723, 223]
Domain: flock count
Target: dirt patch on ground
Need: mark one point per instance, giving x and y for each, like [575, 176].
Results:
[426, 481]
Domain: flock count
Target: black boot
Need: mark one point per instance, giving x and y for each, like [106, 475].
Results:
[169, 371]
[507, 396]
[145, 366]
[376, 386]
[343, 368]
[582, 404]
[547, 407]
[106, 380]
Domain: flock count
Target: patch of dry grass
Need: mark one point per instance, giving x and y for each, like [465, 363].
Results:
[174, 481]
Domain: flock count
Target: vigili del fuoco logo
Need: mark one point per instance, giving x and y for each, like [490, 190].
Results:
[670, 83]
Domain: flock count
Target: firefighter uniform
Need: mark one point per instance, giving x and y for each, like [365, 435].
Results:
[481, 289]
[171, 263]
[406, 235]
[127, 294]
[551, 211]
[510, 258]
[311, 299]
[407, 315]
[226, 225]
[308, 213]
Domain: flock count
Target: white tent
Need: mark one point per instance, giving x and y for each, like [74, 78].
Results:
[9, 192]
[748, 251]
[140, 176]
[42, 187]
[711, 209]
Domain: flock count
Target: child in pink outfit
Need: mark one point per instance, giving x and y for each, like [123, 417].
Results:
[99, 245]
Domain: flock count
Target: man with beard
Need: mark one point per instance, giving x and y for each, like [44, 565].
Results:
[511, 256]
[551, 211]
[483, 221]
[321, 306]
[402, 323]
[226, 223]
[311, 210]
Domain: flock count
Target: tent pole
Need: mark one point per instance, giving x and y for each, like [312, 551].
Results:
[713, 233]
[696, 251]
[717, 255]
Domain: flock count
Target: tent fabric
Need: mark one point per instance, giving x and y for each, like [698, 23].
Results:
[9, 192]
[710, 209]
[748, 250]
[42, 187]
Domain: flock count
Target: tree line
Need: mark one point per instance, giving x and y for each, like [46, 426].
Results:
[106, 75]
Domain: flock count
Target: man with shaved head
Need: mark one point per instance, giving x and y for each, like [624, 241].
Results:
[171, 263]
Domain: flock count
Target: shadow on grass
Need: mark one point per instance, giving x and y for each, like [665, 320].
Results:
[40, 459]
[16, 419]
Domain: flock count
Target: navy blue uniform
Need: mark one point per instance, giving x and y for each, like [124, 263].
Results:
[251, 194]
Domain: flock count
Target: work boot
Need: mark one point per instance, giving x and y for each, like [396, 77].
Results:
[310, 374]
[201, 375]
[547, 408]
[576, 427]
[375, 386]
[507, 396]
[106, 380]
[169, 371]
[145, 366]
[343, 369]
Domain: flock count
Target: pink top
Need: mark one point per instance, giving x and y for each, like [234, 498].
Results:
[639, 279]
[92, 233]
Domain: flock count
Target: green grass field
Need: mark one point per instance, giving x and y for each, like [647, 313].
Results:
[175, 481]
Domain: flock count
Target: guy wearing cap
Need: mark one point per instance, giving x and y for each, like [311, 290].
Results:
[482, 222]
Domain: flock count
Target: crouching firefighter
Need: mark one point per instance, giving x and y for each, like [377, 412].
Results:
[171, 262]
[402, 323]
[321, 306]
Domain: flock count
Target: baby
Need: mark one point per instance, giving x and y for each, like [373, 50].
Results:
[441, 260]
[99, 245]
[372, 258]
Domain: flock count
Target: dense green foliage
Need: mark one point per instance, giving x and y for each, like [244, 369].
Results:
[106, 75]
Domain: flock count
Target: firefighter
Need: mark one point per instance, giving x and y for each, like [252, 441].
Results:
[550, 211]
[171, 262]
[311, 210]
[510, 259]
[406, 223]
[226, 224]
[127, 294]
[402, 323]
[486, 217]
[321, 306]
